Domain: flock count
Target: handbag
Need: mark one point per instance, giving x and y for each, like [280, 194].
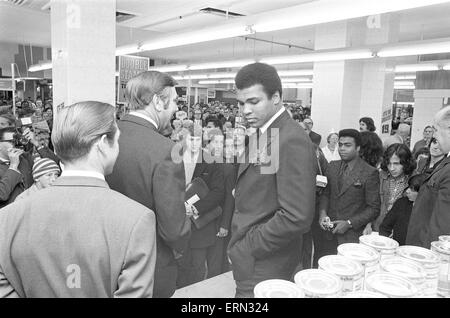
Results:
[198, 187]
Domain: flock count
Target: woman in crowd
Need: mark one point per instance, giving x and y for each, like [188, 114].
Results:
[371, 149]
[330, 151]
[397, 219]
[397, 166]
[366, 124]
[427, 165]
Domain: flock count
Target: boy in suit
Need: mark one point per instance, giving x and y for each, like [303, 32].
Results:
[352, 196]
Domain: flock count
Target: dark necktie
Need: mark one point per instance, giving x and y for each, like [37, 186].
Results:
[342, 174]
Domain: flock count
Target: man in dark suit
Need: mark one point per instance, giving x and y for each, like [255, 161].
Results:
[352, 196]
[199, 164]
[146, 172]
[430, 216]
[274, 194]
[315, 137]
[227, 117]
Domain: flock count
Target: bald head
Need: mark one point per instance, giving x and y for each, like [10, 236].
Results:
[403, 130]
[442, 128]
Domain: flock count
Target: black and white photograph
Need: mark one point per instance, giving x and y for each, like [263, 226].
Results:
[219, 155]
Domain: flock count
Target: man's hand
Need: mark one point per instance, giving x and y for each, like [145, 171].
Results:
[368, 229]
[340, 227]
[222, 232]
[30, 136]
[14, 157]
[323, 222]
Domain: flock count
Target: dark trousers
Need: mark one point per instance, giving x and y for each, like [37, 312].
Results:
[325, 243]
[165, 281]
[192, 267]
[279, 265]
[217, 262]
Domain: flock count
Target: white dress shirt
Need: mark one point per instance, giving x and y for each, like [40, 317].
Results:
[331, 156]
[264, 128]
[190, 161]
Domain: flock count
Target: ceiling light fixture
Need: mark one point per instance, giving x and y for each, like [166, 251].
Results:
[319, 57]
[416, 48]
[411, 68]
[40, 67]
[405, 77]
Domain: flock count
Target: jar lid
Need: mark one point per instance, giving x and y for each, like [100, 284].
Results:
[441, 247]
[277, 288]
[340, 265]
[418, 254]
[378, 242]
[318, 282]
[391, 285]
[403, 267]
[358, 252]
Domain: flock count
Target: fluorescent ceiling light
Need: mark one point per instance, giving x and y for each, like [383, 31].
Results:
[216, 82]
[319, 57]
[169, 68]
[224, 64]
[411, 68]
[403, 83]
[311, 13]
[324, 11]
[295, 80]
[446, 67]
[40, 67]
[204, 76]
[197, 36]
[416, 48]
[405, 77]
[405, 87]
[295, 73]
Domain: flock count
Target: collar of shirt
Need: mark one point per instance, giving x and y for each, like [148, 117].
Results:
[188, 158]
[145, 117]
[81, 173]
[351, 164]
[266, 126]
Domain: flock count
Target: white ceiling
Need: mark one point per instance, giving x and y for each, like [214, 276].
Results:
[29, 24]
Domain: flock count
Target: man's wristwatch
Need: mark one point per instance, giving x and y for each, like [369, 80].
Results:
[350, 223]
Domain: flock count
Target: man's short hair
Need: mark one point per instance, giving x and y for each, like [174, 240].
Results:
[353, 133]
[141, 88]
[217, 123]
[443, 116]
[262, 74]
[79, 126]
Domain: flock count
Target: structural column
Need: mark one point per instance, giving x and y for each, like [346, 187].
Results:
[83, 50]
[344, 91]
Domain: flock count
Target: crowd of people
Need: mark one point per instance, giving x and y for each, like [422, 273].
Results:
[162, 195]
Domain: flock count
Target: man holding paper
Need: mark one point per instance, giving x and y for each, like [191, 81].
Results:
[205, 193]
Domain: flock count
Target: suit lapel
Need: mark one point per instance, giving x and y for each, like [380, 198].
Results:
[252, 151]
[440, 167]
[351, 177]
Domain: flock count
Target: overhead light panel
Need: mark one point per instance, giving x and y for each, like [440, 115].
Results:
[295, 80]
[417, 48]
[295, 73]
[319, 57]
[411, 68]
[446, 67]
[169, 68]
[40, 67]
[207, 82]
[405, 77]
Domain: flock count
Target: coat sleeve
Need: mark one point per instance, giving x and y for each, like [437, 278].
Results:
[373, 202]
[173, 224]
[228, 204]
[296, 189]
[137, 276]
[215, 195]
[440, 217]
[387, 226]
[8, 182]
